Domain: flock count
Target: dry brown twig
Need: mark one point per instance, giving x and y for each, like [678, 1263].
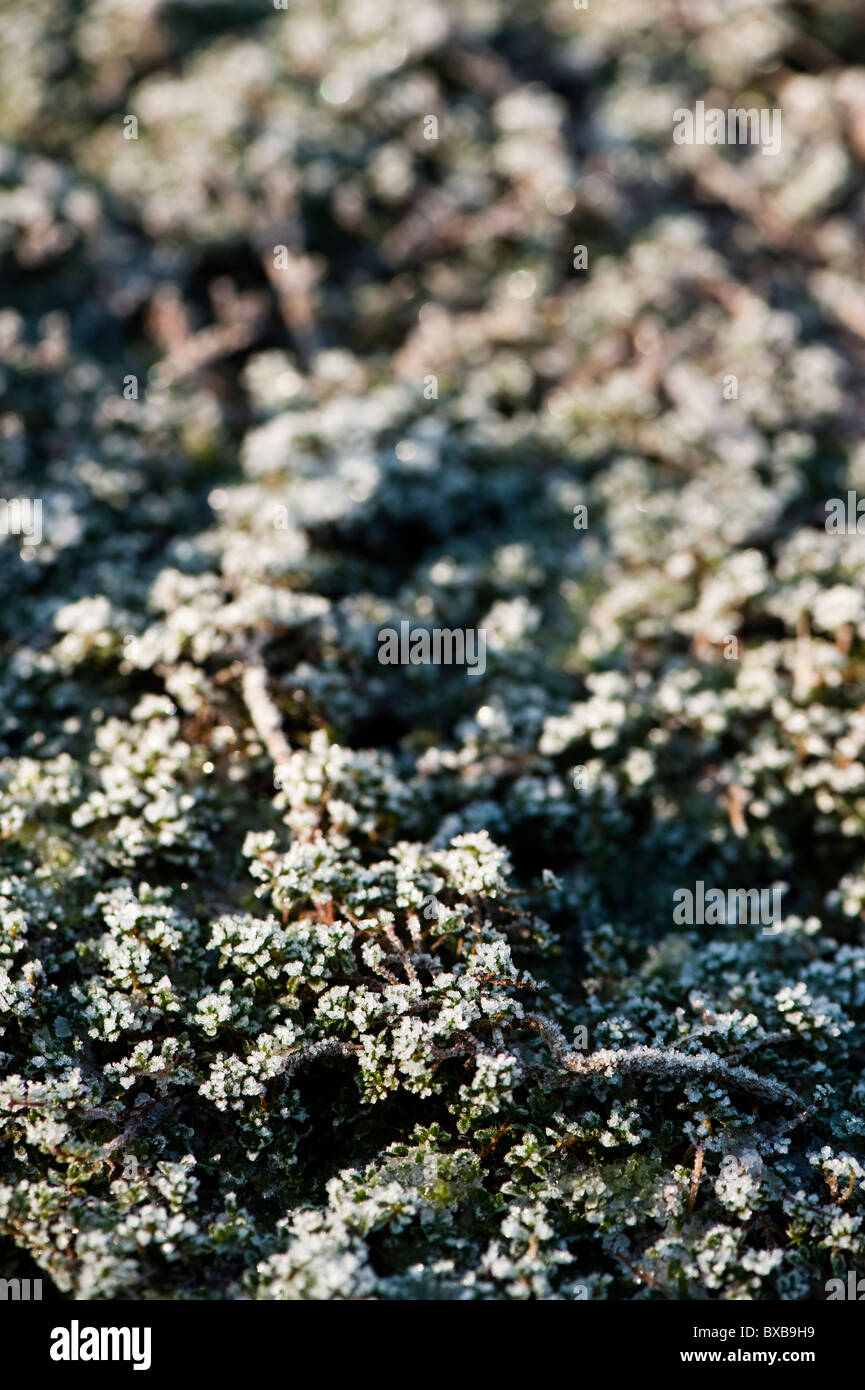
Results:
[696, 1176]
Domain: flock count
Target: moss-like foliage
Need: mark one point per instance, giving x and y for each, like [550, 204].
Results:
[323, 978]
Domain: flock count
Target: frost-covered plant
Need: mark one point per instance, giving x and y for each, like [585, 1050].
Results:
[325, 979]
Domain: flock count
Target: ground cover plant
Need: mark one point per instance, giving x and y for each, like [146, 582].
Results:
[322, 977]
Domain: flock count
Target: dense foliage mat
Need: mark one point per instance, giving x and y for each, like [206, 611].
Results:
[322, 978]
